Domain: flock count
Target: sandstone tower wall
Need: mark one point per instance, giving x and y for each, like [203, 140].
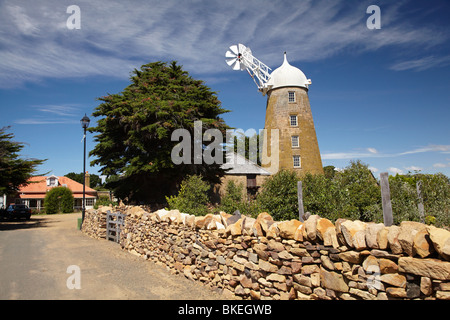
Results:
[282, 103]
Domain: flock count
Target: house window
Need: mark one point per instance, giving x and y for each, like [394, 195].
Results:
[293, 120]
[294, 140]
[90, 202]
[291, 96]
[52, 181]
[297, 161]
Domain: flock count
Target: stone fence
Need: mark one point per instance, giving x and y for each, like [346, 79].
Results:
[265, 259]
[94, 223]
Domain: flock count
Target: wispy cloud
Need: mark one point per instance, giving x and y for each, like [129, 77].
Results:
[373, 153]
[60, 110]
[367, 153]
[41, 120]
[116, 37]
[24, 23]
[348, 155]
[421, 64]
[441, 165]
[51, 114]
[430, 148]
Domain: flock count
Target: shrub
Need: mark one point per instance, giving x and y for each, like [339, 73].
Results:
[279, 195]
[404, 200]
[327, 198]
[430, 220]
[352, 193]
[104, 201]
[232, 199]
[436, 197]
[250, 208]
[59, 199]
[360, 191]
[192, 197]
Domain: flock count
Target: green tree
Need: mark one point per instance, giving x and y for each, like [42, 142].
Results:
[242, 141]
[14, 171]
[436, 197]
[78, 177]
[404, 200]
[352, 193]
[94, 180]
[435, 191]
[326, 197]
[59, 199]
[135, 126]
[360, 190]
[329, 171]
[192, 197]
[279, 195]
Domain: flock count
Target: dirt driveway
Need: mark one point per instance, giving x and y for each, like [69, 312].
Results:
[35, 256]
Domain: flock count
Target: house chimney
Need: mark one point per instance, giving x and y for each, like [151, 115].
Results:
[87, 180]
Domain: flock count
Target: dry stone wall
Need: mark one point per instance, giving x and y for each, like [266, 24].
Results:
[266, 259]
[94, 223]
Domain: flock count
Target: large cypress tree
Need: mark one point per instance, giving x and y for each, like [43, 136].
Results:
[14, 171]
[134, 132]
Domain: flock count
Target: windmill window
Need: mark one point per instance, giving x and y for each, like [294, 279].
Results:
[297, 161]
[294, 140]
[293, 120]
[291, 97]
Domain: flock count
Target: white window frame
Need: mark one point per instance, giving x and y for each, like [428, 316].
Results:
[52, 181]
[90, 202]
[297, 158]
[295, 142]
[292, 117]
[291, 96]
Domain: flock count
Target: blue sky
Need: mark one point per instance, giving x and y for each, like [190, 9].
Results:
[382, 95]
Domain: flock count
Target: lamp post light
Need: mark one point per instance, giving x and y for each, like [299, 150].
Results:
[84, 124]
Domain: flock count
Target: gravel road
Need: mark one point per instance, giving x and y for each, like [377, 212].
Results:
[35, 255]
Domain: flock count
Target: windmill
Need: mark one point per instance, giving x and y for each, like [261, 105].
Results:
[239, 57]
[287, 110]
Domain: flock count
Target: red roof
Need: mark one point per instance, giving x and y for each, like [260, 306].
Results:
[37, 188]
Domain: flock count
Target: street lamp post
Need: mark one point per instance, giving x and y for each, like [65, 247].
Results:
[84, 124]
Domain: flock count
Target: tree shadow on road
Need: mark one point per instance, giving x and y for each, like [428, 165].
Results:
[15, 224]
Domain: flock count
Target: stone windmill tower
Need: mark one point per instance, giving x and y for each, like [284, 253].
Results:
[293, 144]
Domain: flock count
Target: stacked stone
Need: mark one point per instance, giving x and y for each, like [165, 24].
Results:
[265, 259]
[94, 223]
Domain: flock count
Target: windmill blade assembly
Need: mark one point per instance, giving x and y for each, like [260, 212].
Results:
[234, 57]
[239, 57]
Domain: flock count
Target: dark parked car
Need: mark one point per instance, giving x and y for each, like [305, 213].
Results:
[18, 211]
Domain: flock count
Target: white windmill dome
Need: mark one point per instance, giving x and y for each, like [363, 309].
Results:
[287, 76]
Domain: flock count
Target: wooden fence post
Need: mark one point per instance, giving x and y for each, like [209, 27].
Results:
[420, 205]
[386, 199]
[300, 201]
